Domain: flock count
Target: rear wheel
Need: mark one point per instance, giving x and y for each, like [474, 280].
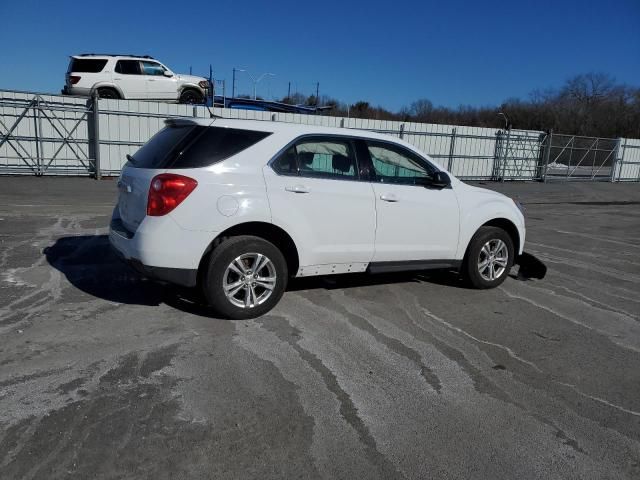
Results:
[191, 97]
[489, 258]
[107, 93]
[245, 278]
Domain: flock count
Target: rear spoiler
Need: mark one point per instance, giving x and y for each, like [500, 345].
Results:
[186, 121]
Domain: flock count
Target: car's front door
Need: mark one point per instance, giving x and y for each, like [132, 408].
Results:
[159, 87]
[315, 192]
[128, 77]
[414, 222]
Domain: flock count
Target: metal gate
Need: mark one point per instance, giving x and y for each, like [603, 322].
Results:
[45, 135]
[572, 157]
[518, 155]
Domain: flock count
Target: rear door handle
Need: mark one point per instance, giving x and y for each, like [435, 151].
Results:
[297, 189]
[389, 197]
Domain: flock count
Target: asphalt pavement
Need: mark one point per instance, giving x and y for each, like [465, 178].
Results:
[106, 375]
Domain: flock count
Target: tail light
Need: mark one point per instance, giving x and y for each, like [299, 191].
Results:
[74, 79]
[167, 191]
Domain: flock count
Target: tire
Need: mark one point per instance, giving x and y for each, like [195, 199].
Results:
[191, 97]
[108, 93]
[488, 239]
[242, 252]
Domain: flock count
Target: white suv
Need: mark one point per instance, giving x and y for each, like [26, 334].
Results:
[131, 77]
[236, 207]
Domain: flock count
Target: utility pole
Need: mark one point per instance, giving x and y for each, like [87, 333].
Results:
[289, 92]
[317, 95]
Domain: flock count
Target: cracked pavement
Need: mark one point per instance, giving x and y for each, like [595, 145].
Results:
[104, 374]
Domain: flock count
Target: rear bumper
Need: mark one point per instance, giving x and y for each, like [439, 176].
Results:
[76, 91]
[177, 276]
[159, 256]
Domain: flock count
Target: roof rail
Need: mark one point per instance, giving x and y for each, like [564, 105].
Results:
[114, 55]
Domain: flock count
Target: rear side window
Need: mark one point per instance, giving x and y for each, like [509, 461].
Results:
[86, 65]
[194, 146]
[327, 157]
[128, 67]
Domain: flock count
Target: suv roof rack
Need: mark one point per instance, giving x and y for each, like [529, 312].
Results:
[113, 55]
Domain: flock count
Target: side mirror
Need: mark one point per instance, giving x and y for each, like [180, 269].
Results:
[436, 180]
[167, 73]
[440, 180]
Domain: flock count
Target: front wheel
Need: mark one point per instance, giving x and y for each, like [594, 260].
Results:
[191, 97]
[245, 278]
[489, 258]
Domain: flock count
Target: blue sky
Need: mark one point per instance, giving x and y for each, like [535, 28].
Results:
[388, 53]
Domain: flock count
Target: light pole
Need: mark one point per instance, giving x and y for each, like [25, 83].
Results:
[233, 84]
[257, 80]
[507, 123]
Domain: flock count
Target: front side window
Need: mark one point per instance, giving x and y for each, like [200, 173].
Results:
[395, 164]
[328, 158]
[152, 68]
[128, 67]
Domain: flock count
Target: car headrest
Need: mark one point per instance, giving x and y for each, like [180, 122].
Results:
[305, 159]
[342, 163]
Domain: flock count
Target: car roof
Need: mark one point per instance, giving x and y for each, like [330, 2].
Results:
[112, 55]
[293, 129]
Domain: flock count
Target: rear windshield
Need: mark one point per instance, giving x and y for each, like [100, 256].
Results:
[86, 65]
[193, 146]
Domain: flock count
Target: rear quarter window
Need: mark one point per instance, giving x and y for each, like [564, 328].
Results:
[86, 65]
[194, 146]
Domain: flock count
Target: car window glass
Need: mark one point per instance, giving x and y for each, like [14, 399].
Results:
[286, 164]
[87, 65]
[189, 146]
[152, 68]
[396, 164]
[128, 67]
[330, 158]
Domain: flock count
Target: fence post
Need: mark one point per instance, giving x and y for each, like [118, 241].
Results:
[401, 130]
[36, 123]
[506, 152]
[452, 146]
[96, 135]
[617, 156]
[547, 155]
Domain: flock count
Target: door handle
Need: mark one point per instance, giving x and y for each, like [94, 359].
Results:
[151, 79]
[297, 189]
[389, 197]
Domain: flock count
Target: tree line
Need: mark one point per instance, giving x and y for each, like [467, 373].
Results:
[591, 104]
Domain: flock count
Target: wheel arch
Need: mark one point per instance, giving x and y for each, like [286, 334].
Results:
[110, 86]
[191, 86]
[267, 231]
[509, 227]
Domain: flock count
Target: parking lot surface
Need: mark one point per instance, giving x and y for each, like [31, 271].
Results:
[106, 375]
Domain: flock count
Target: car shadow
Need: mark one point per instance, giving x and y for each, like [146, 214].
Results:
[89, 264]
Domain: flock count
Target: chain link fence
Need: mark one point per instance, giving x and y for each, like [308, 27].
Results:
[57, 135]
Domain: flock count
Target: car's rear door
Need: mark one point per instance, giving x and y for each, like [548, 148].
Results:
[413, 222]
[316, 193]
